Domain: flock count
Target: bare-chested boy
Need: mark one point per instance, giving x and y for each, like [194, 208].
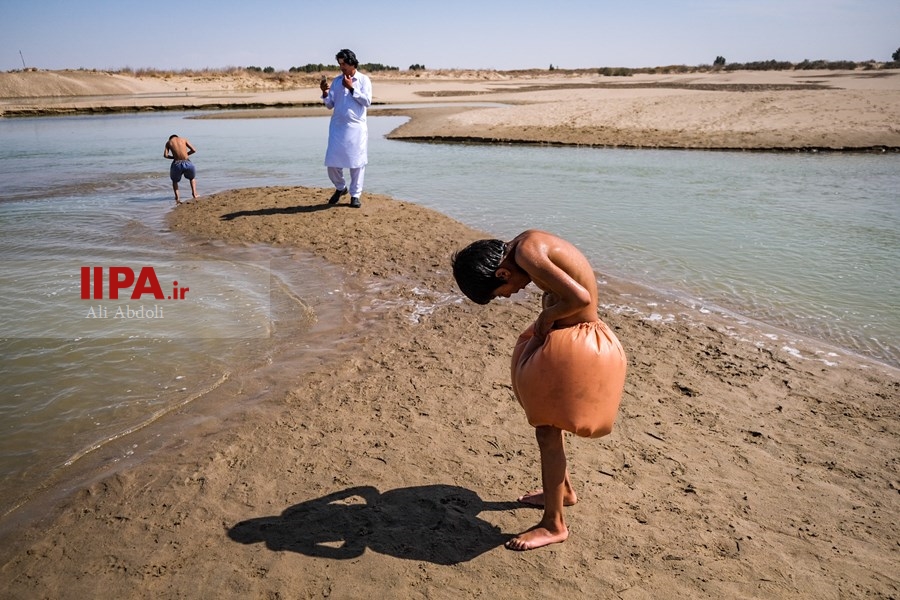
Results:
[179, 149]
[568, 368]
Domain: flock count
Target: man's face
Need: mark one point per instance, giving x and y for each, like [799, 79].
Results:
[345, 68]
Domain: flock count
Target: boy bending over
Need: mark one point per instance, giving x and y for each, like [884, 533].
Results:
[179, 149]
[568, 368]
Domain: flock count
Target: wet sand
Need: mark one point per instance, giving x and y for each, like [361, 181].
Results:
[389, 467]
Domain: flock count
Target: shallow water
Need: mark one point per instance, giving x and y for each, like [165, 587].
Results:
[809, 243]
[806, 242]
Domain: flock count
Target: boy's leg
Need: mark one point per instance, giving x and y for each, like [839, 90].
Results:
[175, 176]
[552, 527]
[536, 498]
[191, 173]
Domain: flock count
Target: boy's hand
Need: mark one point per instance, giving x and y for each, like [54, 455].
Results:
[542, 326]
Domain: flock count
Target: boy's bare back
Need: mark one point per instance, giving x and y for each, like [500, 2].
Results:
[562, 272]
[178, 148]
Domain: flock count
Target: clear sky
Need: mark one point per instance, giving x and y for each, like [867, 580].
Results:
[485, 34]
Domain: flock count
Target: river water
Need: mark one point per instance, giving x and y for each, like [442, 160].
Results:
[799, 244]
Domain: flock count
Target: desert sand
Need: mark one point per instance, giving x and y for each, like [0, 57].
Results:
[388, 466]
[764, 110]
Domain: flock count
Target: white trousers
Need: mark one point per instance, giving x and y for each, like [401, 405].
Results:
[336, 175]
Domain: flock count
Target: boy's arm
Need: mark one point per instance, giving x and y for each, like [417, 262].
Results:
[166, 151]
[190, 147]
[568, 297]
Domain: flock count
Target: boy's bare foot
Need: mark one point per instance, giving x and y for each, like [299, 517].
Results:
[536, 498]
[178, 202]
[537, 537]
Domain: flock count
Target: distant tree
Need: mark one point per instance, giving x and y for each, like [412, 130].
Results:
[552, 67]
[616, 72]
[896, 55]
[318, 68]
[416, 67]
[370, 67]
[269, 70]
[719, 62]
[312, 68]
[763, 65]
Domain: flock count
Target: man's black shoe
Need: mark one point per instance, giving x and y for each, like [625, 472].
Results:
[337, 196]
[354, 202]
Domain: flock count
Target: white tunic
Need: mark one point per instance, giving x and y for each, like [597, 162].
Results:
[348, 134]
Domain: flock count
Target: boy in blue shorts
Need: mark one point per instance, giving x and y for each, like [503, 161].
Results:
[179, 149]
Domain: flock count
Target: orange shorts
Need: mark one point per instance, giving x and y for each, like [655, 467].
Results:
[572, 381]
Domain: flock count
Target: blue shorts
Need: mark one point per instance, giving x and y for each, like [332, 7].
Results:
[182, 167]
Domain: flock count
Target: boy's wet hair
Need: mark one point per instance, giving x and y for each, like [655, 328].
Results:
[475, 268]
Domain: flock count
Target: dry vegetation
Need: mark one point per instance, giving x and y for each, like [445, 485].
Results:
[301, 76]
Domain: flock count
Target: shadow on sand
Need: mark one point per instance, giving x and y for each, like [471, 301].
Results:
[434, 523]
[288, 210]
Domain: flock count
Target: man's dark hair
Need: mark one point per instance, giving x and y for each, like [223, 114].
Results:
[348, 57]
[475, 269]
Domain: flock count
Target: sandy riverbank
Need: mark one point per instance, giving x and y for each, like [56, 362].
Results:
[389, 470]
[747, 110]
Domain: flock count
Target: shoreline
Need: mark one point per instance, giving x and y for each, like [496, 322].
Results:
[289, 110]
[392, 467]
[812, 111]
[292, 112]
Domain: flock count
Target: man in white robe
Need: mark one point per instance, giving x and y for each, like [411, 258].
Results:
[350, 94]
